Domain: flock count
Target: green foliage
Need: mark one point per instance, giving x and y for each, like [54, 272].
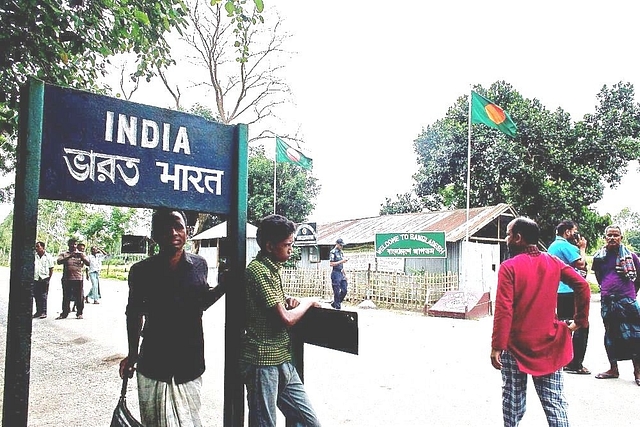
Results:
[93, 225]
[203, 111]
[68, 43]
[242, 18]
[6, 228]
[404, 203]
[296, 188]
[592, 226]
[629, 221]
[58, 221]
[241, 59]
[551, 171]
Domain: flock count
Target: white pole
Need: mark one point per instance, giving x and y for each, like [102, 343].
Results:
[466, 240]
[469, 165]
[275, 163]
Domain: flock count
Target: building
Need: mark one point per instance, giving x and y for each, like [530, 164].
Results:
[214, 246]
[475, 259]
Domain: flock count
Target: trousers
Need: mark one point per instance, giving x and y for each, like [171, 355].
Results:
[40, 295]
[339, 285]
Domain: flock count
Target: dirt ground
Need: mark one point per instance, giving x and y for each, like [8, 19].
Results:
[411, 370]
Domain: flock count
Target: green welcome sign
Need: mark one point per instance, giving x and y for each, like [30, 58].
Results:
[431, 244]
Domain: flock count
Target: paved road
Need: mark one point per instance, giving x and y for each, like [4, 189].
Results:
[412, 370]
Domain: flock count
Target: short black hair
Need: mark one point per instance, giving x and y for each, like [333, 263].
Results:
[41, 243]
[274, 228]
[564, 226]
[527, 228]
[616, 226]
[163, 215]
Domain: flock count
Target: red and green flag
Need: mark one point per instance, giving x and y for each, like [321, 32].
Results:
[286, 153]
[488, 113]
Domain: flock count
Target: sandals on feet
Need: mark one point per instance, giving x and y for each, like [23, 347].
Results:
[606, 376]
[580, 371]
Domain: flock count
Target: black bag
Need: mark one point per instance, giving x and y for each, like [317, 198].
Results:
[121, 415]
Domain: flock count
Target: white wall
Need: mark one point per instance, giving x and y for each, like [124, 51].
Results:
[482, 261]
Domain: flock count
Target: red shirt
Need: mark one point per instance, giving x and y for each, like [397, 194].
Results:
[525, 321]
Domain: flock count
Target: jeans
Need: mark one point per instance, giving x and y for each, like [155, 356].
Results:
[339, 285]
[268, 386]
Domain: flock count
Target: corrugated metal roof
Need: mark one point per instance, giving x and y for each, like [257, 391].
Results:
[452, 222]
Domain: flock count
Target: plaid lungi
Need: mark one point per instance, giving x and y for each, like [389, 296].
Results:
[621, 317]
[169, 404]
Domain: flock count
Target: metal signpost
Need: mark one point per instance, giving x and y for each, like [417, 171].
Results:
[82, 147]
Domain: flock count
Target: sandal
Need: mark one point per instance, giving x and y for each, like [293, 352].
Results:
[606, 375]
[581, 371]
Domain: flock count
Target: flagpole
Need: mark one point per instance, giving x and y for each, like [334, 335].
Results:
[275, 165]
[466, 251]
[469, 164]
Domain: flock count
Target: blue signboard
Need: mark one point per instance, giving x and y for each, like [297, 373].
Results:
[103, 150]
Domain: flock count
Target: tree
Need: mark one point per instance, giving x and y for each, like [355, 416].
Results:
[627, 219]
[97, 225]
[296, 189]
[404, 203]
[551, 171]
[6, 229]
[51, 228]
[241, 60]
[630, 223]
[68, 43]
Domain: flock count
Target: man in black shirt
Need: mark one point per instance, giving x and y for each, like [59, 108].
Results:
[168, 293]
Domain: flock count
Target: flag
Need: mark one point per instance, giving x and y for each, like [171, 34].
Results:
[488, 113]
[285, 153]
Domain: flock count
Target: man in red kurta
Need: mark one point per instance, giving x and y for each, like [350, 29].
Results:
[527, 336]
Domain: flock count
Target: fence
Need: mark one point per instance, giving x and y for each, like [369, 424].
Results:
[386, 290]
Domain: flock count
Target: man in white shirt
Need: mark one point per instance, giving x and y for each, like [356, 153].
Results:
[43, 271]
[95, 265]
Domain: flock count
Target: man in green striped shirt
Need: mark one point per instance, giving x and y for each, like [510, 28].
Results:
[265, 361]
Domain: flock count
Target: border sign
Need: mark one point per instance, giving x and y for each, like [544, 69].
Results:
[81, 147]
[431, 244]
[105, 150]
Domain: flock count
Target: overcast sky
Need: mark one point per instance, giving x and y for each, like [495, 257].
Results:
[369, 75]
